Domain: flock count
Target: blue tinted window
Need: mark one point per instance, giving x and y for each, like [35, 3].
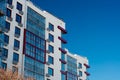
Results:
[63, 77]
[6, 38]
[62, 67]
[17, 30]
[16, 57]
[19, 6]
[18, 18]
[50, 71]
[79, 65]
[50, 60]
[4, 65]
[7, 26]
[5, 52]
[16, 43]
[51, 48]
[62, 56]
[9, 1]
[8, 14]
[80, 73]
[51, 37]
[51, 27]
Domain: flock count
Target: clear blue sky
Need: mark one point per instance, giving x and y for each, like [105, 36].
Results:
[93, 31]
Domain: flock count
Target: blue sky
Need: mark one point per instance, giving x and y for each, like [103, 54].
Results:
[93, 30]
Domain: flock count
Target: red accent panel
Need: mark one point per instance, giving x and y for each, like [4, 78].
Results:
[63, 72]
[64, 41]
[87, 66]
[24, 41]
[63, 30]
[45, 53]
[63, 61]
[62, 50]
[88, 74]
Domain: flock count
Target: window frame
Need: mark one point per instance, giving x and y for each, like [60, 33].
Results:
[50, 59]
[6, 38]
[18, 18]
[8, 12]
[51, 48]
[19, 6]
[4, 65]
[15, 57]
[7, 25]
[51, 71]
[17, 31]
[51, 37]
[16, 43]
[5, 52]
[51, 26]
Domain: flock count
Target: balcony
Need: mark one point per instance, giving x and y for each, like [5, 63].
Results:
[17, 35]
[88, 74]
[47, 51]
[21, 12]
[4, 57]
[63, 41]
[15, 62]
[62, 50]
[48, 40]
[86, 65]
[10, 6]
[20, 24]
[47, 63]
[63, 30]
[9, 18]
[16, 48]
[6, 30]
[47, 75]
[5, 44]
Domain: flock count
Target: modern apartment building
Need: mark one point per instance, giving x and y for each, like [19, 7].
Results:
[31, 43]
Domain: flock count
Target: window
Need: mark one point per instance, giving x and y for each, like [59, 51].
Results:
[9, 1]
[80, 73]
[16, 43]
[7, 26]
[19, 6]
[51, 48]
[15, 57]
[18, 18]
[5, 52]
[63, 77]
[51, 59]
[17, 30]
[4, 65]
[62, 56]
[8, 14]
[6, 39]
[50, 71]
[51, 37]
[62, 66]
[51, 27]
[79, 65]
[14, 69]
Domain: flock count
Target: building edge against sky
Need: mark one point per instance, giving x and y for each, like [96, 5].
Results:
[32, 42]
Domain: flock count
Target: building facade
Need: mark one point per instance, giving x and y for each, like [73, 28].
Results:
[31, 44]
